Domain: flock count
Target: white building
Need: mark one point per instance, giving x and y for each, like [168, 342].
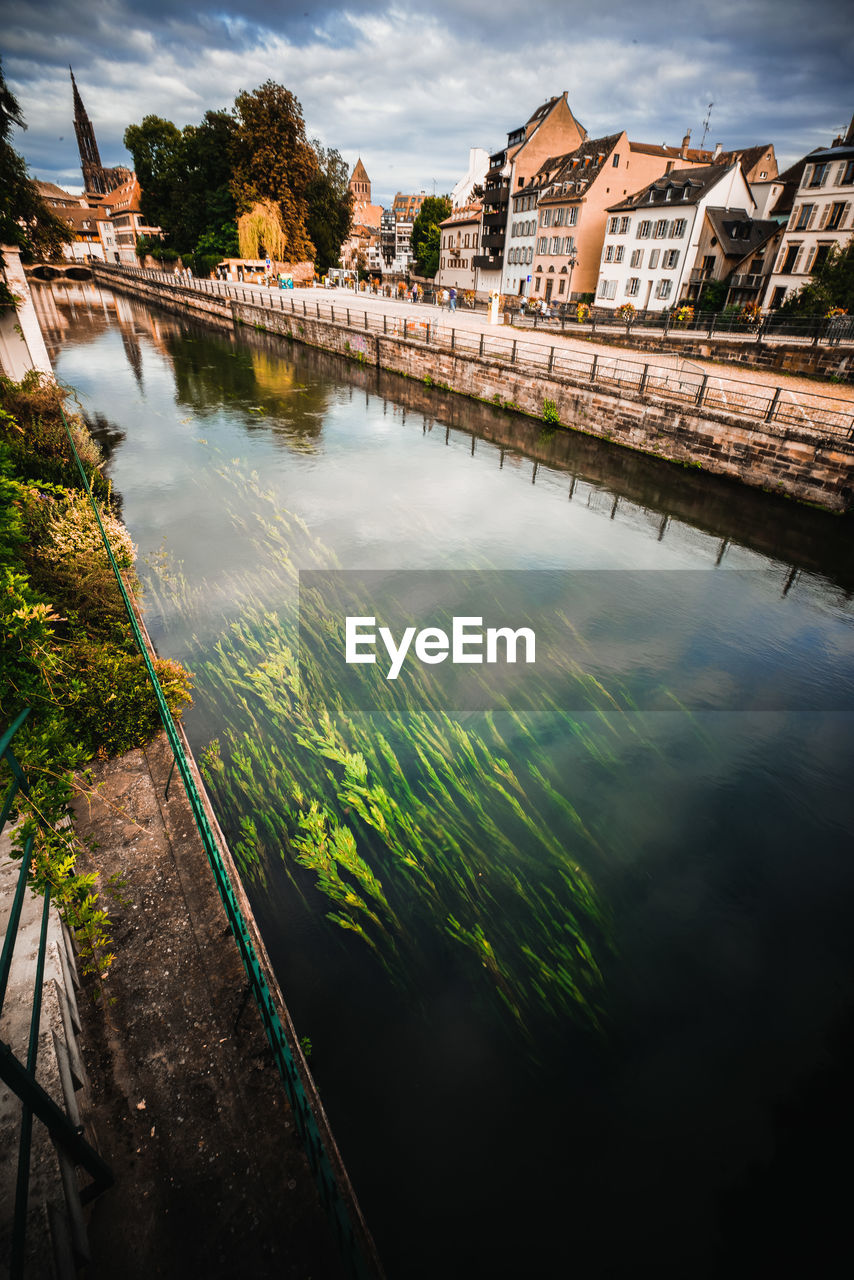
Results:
[822, 217]
[457, 248]
[652, 238]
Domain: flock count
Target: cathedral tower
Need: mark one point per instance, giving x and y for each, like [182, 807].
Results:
[90, 160]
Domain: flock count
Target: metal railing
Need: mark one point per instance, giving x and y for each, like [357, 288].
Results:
[677, 383]
[355, 1245]
[20, 1077]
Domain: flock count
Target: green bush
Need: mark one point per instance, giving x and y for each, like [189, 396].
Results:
[550, 413]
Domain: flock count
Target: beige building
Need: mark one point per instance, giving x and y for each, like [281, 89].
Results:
[574, 195]
[458, 246]
[822, 218]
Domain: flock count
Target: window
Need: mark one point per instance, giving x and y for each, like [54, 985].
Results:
[618, 253]
[573, 216]
[633, 286]
[848, 176]
[624, 226]
[543, 244]
[819, 175]
[560, 286]
[668, 195]
[616, 161]
[609, 253]
[531, 254]
[804, 214]
[653, 258]
[791, 258]
[677, 228]
[467, 242]
[644, 229]
[560, 214]
[607, 288]
[546, 218]
[613, 223]
[835, 219]
[670, 259]
[557, 243]
[636, 258]
[661, 229]
[663, 289]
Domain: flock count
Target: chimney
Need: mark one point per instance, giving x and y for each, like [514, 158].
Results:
[719, 146]
[686, 142]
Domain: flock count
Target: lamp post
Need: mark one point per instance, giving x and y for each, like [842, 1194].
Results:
[572, 259]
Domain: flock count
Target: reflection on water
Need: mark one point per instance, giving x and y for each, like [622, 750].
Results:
[569, 974]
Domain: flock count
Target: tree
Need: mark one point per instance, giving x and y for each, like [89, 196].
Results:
[330, 207]
[25, 219]
[185, 176]
[830, 287]
[274, 160]
[426, 233]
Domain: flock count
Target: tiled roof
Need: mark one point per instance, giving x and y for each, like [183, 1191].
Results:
[580, 167]
[738, 234]
[466, 213]
[695, 181]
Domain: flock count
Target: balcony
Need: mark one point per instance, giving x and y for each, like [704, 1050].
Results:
[699, 275]
[486, 263]
[494, 243]
[746, 282]
[495, 219]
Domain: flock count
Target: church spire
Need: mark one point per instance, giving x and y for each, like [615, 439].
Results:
[90, 160]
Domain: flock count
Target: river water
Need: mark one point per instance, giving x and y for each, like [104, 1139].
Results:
[574, 954]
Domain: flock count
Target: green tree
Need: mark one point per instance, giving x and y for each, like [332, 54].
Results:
[25, 219]
[426, 234]
[830, 287]
[330, 207]
[274, 160]
[185, 176]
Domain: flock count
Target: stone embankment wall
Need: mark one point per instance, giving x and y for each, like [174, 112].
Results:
[800, 462]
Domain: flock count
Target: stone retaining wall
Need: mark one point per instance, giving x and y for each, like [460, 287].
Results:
[798, 462]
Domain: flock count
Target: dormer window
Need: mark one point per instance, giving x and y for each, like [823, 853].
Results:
[668, 195]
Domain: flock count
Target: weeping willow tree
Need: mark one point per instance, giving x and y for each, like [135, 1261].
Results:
[261, 229]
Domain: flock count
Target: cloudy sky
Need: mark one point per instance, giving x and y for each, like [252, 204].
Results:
[411, 86]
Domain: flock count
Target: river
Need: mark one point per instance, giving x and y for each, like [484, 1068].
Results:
[573, 953]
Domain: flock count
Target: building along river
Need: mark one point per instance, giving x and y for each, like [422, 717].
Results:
[571, 943]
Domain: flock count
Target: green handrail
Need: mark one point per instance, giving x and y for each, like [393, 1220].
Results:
[306, 1121]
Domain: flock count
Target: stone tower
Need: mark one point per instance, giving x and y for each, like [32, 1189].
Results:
[360, 184]
[90, 160]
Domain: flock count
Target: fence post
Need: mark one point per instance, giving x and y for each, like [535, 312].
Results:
[594, 367]
[644, 376]
[453, 337]
[711, 324]
[405, 326]
[332, 309]
[772, 408]
[702, 389]
[551, 359]
[366, 319]
[385, 323]
[513, 352]
[348, 315]
[480, 350]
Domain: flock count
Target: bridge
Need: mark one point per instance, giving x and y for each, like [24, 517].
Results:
[59, 271]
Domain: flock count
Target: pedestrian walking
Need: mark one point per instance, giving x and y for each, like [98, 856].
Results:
[453, 300]
[415, 293]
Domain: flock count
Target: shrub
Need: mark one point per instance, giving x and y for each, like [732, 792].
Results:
[550, 413]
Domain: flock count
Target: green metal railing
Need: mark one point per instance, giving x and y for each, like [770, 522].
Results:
[351, 1244]
[20, 1077]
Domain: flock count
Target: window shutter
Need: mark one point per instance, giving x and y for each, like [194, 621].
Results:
[778, 266]
[839, 173]
[809, 261]
[796, 264]
[811, 218]
[845, 213]
[825, 214]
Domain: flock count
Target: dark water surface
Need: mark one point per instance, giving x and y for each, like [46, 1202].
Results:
[588, 1010]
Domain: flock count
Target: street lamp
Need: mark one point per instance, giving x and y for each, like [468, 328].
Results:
[571, 259]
